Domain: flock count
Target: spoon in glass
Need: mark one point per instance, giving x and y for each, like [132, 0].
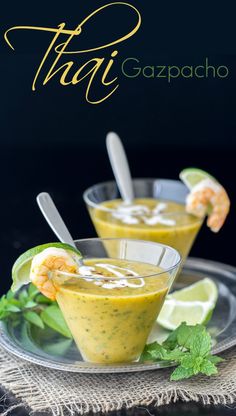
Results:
[120, 167]
[54, 220]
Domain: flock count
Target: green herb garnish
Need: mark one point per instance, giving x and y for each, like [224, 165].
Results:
[35, 308]
[189, 347]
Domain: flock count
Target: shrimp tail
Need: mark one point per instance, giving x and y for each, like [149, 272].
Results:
[209, 198]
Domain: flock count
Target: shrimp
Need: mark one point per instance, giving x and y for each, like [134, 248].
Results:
[209, 194]
[47, 261]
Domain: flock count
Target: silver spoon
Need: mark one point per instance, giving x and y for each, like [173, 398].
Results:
[120, 167]
[54, 220]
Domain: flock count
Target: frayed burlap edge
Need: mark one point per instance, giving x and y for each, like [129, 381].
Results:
[171, 396]
[39, 389]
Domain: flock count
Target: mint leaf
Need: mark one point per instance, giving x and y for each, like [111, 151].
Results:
[174, 355]
[147, 352]
[208, 368]
[33, 318]
[183, 336]
[197, 364]
[189, 346]
[157, 352]
[171, 342]
[53, 317]
[215, 359]
[180, 336]
[180, 372]
[201, 344]
[188, 360]
[186, 334]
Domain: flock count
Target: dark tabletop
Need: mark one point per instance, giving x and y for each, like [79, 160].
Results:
[176, 409]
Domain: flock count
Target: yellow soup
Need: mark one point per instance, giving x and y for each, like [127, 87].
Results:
[150, 219]
[110, 317]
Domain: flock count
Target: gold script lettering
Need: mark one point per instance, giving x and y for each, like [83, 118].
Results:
[62, 49]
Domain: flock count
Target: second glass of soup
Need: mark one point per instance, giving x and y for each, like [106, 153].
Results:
[156, 214]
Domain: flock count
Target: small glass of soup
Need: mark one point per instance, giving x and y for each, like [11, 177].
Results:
[113, 302]
[156, 214]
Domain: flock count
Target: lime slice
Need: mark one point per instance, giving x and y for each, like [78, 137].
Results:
[192, 176]
[193, 305]
[21, 268]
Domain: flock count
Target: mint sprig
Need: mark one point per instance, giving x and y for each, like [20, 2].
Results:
[189, 347]
[35, 308]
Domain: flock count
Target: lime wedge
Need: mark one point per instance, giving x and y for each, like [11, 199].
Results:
[21, 268]
[192, 176]
[193, 305]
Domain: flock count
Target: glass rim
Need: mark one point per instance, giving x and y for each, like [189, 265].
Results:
[99, 206]
[113, 182]
[97, 239]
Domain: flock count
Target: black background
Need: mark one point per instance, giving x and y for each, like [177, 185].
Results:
[53, 140]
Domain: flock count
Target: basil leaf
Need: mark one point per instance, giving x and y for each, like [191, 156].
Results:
[53, 317]
[12, 308]
[9, 295]
[23, 295]
[34, 318]
[30, 304]
[32, 290]
[43, 299]
[59, 348]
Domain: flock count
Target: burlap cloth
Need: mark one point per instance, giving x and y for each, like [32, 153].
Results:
[62, 393]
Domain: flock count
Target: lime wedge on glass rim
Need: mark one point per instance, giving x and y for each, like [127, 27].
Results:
[21, 267]
[193, 305]
[192, 176]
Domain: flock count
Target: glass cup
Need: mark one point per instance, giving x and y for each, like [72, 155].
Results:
[110, 318]
[180, 236]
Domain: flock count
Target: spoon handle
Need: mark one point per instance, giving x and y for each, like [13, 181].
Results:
[53, 218]
[120, 167]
